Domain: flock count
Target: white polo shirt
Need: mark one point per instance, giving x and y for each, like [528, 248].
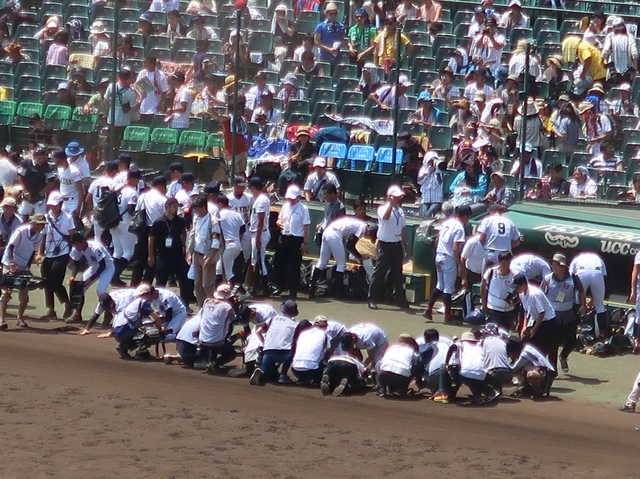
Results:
[294, 217]
[279, 336]
[153, 202]
[451, 232]
[24, 245]
[260, 205]
[499, 232]
[473, 254]
[181, 119]
[398, 359]
[390, 231]
[315, 184]
[534, 302]
[498, 287]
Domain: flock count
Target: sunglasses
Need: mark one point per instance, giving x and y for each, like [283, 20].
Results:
[332, 13]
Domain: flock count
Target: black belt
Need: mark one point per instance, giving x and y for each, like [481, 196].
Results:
[388, 242]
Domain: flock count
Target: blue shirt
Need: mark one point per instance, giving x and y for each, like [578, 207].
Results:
[330, 33]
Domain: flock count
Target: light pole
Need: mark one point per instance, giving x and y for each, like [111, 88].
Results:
[114, 82]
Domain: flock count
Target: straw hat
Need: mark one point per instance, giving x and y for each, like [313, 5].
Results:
[555, 60]
[98, 27]
[330, 7]
[584, 107]
[229, 81]
[366, 247]
[597, 88]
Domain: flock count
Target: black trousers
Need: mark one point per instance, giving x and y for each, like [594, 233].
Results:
[390, 256]
[287, 263]
[53, 271]
[141, 269]
[394, 382]
[336, 370]
[173, 264]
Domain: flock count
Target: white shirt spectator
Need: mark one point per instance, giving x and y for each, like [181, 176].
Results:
[387, 96]
[254, 94]
[164, 5]
[471, 89]
[314, 184]
[25, 244]
[149, 105]
[294, 218]
[181, 119]
[430, 180]
[621, 49]
[484, 48]
[273, 117]
[390, 231]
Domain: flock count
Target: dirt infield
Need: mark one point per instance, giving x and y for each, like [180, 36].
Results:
[70, 408]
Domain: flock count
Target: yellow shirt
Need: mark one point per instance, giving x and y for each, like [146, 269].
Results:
[388, 49]
[573, 47]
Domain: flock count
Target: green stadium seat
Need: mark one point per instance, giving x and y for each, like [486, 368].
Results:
[135, 138]
[77, 9]
[57, 116]
[27, 68]
[443, 40]
[25, 110]
[6, 80]
[545, 24]
[350, 97]
[300, 119]
[422, 51]
[261, 42]
[414, 25]
[346, 84]
[29, 95]
[578, 159]
[322, 107]
[345, 70]
[158, 41]
[553, 156]
[630, 135]
[348, 110]
[421, 64]
[188, 44]
[163, 141]
[82, 123]
[613, 177]
[322, 95]
[440, 137]
[296, 106]
[191, 141]
[463, 16]
[7, 112]
[307, 21]
[547, 36]
[26, 30]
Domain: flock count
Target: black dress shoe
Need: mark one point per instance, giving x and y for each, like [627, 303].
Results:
[372, 305]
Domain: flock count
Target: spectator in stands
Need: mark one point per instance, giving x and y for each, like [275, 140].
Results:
[145, 27]
[590, 69]
[593, 29]
[307, 5]
[478, 84]
[308, 45]
[478, 105]
[50, 29]
[430, 11]
[385, 96]
[532, 165]
[65, 97]
[328, 35]
[78, 82]
[430, 179]
[164, 6]
[127, 51]
[596, 126]
[254, 94]
[513, 17]
[624, 104]
[556, 77]
[207, 99]
[369, 80]
[462, 116]
[14, 55]
[535, 133]
[607, 158]
[316, 180]
[58, 53]
[459, 62]
[199, 31]
[558, 186]
[39, 133]
[229, 125]
[229, 50]
[182, 100]
[386, 46]
[477, 23]
[470, 185]
[567, 128]
[266, 112]
[405, 9]
[517, 62]
[102, 45]
[360, 39]
[174, 28]
[488, 44]
[303, 149]
[582, 185]
[98, 104]
[621, 50]
[289, 91]
[444, 87]
[201, 6]
[126, 102]
[426, 114]
[281, 27]
[153, 100]
[201, 63]
[499, 194]
[292, 174]
[633, 193]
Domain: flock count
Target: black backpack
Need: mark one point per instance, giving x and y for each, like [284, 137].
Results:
[107, 213]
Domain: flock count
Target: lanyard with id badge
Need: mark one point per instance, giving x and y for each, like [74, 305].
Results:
[168, 241]
[397, 228]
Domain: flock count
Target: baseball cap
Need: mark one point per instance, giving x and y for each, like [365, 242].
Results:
[9, 201]
[188, 178]
[111, 166]
[319, 162]
[293, 192]
[255, 182]
[176, 166]
[222, 292]
[519, 279]
[240, 181]
[404, 81]
[212, 188]
[159, 180]
[38, 219]
[560, 259]
[142, 289]
[396, 191]
[424, 96]
[468, 336]
[515, 3]
[55, 198]
[63, 86]
[528, 148]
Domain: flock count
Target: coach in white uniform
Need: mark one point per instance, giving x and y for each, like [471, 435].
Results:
[591, 270]
[391, 236]
[336, 238]
[531, 265]
[497, 233]
[260, 235]
[496, 286]
[315, 181]
[449, 265]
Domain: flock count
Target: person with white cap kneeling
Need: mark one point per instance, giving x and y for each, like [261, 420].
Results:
[23, 248]
[215, 328]
[293, 221]
[55, 249]
[316, 180]
[391, 236]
